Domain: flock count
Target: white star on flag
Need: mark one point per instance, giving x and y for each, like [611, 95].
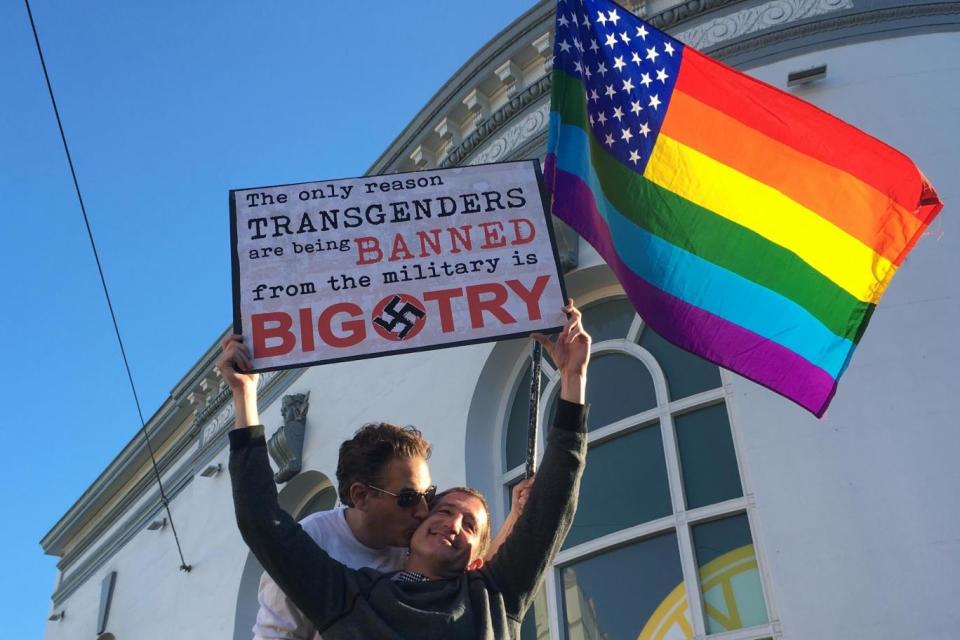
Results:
[625, 134]
[618, 63]
[634, 157]
[652, 54]
[654, 101]
[613, 17]
[662, 76]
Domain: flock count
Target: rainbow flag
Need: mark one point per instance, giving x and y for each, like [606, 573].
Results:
[745, 225]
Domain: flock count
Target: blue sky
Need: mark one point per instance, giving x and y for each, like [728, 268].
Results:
[167, 106]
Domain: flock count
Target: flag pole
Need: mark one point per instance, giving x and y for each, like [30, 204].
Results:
[534, 413]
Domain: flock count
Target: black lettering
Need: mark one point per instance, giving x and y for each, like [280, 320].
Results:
[515, 198]
[259, 223]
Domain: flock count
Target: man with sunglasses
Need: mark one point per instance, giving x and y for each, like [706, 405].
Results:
[446, 589]
[384, 488]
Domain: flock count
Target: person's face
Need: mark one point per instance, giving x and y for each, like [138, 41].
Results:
[395, 524]
[450, 536]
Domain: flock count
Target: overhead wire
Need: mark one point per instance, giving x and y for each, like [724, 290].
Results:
[103, 281]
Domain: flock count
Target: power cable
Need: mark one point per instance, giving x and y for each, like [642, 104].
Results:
[103, 281]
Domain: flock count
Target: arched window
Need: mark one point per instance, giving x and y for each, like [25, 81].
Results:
[661, 546]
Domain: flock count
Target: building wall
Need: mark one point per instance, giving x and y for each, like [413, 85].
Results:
[851, 514]
[854, 510]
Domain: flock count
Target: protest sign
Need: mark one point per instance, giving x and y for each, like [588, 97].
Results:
[362, 267]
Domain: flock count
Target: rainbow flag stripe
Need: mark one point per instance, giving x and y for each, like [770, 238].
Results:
[745, 225]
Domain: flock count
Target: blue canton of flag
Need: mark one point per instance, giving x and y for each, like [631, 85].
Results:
[628, 69]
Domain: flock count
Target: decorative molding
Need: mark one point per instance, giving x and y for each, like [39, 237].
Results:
[511, 76]
[530, 95]
[758, 18]
[544, 48]
[478, 104]
[846, 21]
[523, 30]
[691, 8]
[286, 444]
[219, 423]
[529, 126]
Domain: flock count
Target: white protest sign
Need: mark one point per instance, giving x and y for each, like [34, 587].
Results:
[362, 267]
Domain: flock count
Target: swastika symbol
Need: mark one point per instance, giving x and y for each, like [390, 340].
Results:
[399, 317]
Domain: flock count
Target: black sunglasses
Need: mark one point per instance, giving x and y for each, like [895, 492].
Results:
[408, 497]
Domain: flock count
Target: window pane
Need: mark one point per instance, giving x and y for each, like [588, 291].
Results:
[519, 418]
[706, 456]
[635, 591]
[624, 484]
[608, 320]
[729, 579]
[686, 373]
[618, 386]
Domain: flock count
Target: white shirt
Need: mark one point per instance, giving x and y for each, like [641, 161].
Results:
[278, 618]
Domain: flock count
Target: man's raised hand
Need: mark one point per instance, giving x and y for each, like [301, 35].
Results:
[571, 353]
[232, 364]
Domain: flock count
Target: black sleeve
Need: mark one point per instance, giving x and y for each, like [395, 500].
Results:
[313, 581]
[524, 557]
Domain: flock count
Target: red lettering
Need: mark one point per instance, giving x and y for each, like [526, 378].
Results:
[400, 249]
[443, 299]
[492, 235]
[368, 245]
[532, 297]
[355, 329]
[493, 305]
[462, 234]
[519, 238]
[426, 240]
[306, 329]
[262, 333]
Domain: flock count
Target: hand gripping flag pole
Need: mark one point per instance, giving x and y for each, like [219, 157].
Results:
[534, 414]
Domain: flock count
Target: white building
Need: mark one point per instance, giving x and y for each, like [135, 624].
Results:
[710, 505]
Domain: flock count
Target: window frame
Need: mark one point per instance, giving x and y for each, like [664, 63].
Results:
[682, 520]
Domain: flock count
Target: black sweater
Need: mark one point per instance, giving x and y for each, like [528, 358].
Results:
[485, 604]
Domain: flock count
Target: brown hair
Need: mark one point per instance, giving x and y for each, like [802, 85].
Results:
[373, 446]
[485, 534]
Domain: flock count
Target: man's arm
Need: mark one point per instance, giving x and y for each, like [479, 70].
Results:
[538, 534]
[277, 617]
[519, 495]
[313, 581]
